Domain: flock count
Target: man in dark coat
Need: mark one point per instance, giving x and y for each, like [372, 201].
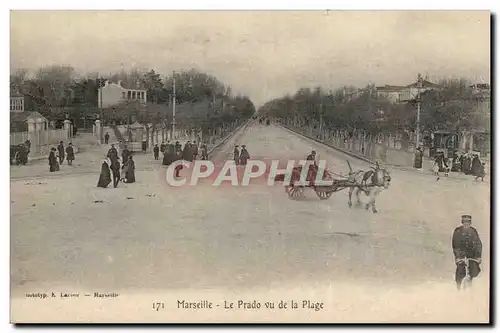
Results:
[236, 155]
[115, 170]
[178, 147]
[466, 243]
[53, 163]
[60, 151]
[244, 155]
[311, 157]
[125, 154]
[311, 173]
[187, 153]
[106, 138]
[466, 166]
[112, 152]
[169, 154]
[194, 149]
[156, 152]
[419, 154]
[70, 154]
[105, 176]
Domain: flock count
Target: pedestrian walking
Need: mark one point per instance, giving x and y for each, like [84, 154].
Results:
[70, 154]
[60, 151]
[156, 152]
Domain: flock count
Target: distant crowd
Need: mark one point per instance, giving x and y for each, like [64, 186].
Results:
[468, 163]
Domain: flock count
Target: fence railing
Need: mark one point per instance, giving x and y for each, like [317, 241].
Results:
[39, 139]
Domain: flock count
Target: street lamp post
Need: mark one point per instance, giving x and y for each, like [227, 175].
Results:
[419, 87]
[100, 107]
[173, 108]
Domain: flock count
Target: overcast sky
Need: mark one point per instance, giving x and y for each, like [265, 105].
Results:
[261, 54]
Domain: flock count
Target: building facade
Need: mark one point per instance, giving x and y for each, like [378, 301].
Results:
[16, 103]
[113, 94]
[404, 94]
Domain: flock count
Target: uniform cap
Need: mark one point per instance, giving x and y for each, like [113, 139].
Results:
[466, 218]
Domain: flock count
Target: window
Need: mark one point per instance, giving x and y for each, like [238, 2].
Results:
[133, 94]
[124, 95]
[129, 94]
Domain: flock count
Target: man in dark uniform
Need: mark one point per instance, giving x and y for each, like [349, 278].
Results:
[466, 244]
[156, 152]
[106, 138]
[60, 151]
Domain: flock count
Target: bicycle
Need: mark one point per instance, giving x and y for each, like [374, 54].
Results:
[467, 280]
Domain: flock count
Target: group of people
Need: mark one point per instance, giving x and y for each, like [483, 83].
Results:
[19, 153]
[241, 157]
[468, 163]
[56, 156]
[174, 151]
[114, 171]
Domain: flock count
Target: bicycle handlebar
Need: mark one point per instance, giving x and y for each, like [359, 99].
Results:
[464, 260]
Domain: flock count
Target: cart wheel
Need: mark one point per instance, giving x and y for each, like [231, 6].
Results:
[295, 192]
[324, 195]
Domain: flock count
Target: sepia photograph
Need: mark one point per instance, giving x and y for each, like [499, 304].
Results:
[242, 166]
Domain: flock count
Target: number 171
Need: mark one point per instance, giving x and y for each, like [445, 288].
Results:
[158, 305]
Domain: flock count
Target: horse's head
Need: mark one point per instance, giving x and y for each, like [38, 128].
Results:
[381, 177]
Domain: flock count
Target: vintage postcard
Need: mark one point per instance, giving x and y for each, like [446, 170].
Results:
[250, 166]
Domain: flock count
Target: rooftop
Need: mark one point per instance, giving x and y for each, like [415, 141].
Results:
[25, 115]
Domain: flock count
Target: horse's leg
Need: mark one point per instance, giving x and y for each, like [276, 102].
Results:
[369, 200]
[358, 199]
[349, 203]
[372, 201]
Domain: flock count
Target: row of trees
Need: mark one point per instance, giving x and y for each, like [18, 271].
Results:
[57, 90]
[452, 107]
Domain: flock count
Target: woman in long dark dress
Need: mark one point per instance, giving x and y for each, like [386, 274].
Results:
[53, 163]
[105, 176]
[130, 174]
